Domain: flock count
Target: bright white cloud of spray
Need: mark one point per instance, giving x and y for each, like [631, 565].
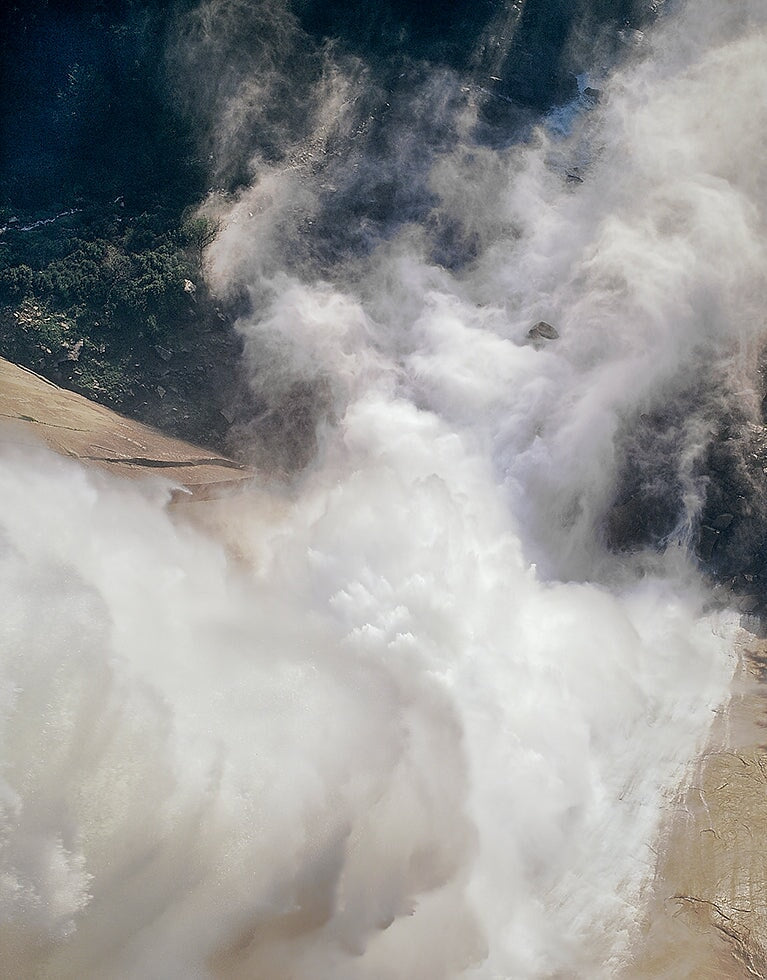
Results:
[383, 743]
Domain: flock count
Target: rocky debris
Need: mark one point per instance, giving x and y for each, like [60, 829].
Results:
[543, 331]
[74, 353]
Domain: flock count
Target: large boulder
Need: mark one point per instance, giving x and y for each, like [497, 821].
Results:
[543, 331]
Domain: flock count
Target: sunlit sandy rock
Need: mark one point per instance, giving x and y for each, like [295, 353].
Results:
[708, 916]
[33, 409]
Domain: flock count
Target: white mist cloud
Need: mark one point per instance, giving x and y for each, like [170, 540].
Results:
[317, 767]
[381, 742]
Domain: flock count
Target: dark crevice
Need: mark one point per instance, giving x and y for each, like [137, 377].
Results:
[166, 463]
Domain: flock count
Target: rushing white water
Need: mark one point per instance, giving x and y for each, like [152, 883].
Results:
[407, 717]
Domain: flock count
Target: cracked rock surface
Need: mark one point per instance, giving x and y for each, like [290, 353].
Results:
[33, 409]
[708, 917]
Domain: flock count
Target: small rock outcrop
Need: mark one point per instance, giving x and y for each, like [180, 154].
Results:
[543, 331]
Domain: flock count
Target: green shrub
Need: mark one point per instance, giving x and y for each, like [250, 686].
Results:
[16, 282]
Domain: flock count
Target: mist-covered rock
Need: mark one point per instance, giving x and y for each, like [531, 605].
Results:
[417, 700]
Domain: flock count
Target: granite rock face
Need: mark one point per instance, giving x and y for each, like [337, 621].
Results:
[693, 469]
[34, 410]
[708, 914]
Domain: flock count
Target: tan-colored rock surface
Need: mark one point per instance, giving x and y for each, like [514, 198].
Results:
[33, 409]
[708, 916]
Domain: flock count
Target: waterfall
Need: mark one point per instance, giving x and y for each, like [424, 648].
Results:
[409, 709]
